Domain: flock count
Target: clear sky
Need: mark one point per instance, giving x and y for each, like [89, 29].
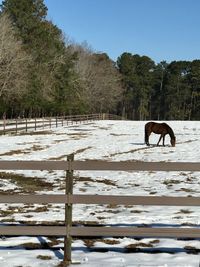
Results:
[161, 29]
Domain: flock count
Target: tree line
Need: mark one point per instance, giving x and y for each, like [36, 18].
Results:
[43, 73]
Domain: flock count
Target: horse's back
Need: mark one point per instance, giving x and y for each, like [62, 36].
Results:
[149, 125]
[156, 127]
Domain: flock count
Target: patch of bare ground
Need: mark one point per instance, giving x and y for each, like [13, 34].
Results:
[44, 257]
[131, 151]
[136, 246]
[187, 190]
[114, 211]
[60, 141]
[114, 134]
[138, 211]
[25, 151]
[187, 141]
[77, 136]
[35, 133]
[23, 209]
[89, 243]
[52, 241]
[192, 250]
[82, 150]
[170, 182]
[14, 152]
[26, 184]
[88, 179]
[11, 210]
[75, 153]
[63, 157]
[185, 211]
[103, 128]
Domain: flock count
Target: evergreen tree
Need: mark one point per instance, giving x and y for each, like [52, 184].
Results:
[177, 90]
[194, 98]
[137, 79]
[158, 91]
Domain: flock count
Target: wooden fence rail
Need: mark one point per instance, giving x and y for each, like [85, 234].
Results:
[25, 124]
[69, 231]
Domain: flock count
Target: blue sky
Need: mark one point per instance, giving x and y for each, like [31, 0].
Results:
[161, 29]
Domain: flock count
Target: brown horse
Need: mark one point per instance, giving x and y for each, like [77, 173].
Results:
[159, 128]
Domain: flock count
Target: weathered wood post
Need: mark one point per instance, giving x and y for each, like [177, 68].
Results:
[35, 124]
[16, 125]
[56, 121]
[4, 125]
[68, 212]
[26, 125]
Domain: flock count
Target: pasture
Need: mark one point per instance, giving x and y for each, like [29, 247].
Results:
[108, 141]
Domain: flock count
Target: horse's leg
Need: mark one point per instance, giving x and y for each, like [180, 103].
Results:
[159, 139]
[147, 134]
[164, 140]
[147, 141]
[146, 138]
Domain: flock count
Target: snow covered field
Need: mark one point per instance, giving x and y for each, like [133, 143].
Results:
[109, 141]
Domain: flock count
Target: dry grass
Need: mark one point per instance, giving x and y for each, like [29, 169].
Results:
[185, 211]
[60, 141]
[64, 157]
[187, 190]
[89, 243]
[137, 246]
[11, 210]
[138, 211]
[171, 181]
[78, 179]
[44, 257]
[35, 133]
[25, 151]
[14, 152]
[78, 136]
[26, 184]
[192, 250]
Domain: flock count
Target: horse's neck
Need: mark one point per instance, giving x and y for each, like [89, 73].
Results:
[171, 133]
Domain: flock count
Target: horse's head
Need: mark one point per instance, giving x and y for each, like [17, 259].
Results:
[173, 141]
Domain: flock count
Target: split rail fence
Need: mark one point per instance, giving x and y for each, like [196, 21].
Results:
[69, 199]
[16, 125]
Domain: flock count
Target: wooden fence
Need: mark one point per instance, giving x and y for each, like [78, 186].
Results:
[16, 125]
[68, 230]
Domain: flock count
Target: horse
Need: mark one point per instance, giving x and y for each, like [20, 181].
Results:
[159, 128]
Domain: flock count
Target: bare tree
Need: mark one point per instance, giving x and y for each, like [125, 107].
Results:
[14, 62]
[101, 81]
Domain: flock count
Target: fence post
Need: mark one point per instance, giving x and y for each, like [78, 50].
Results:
[4, 125]
[26, 126]
[16, 126]
[68, 212]
[56, 121]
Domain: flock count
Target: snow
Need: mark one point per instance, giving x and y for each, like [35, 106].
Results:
[109, 141]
